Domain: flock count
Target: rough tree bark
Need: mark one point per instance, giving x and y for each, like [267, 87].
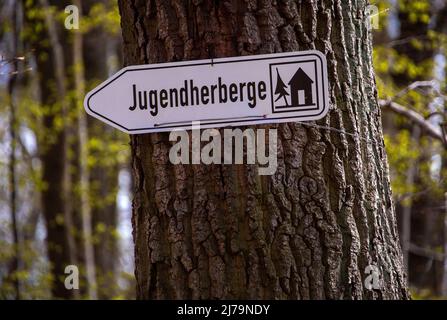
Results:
[309, 230]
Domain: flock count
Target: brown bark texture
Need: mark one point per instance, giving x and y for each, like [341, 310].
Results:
[309, 230]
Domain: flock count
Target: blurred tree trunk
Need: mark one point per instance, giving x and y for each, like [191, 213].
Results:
[441, 27]
[82, 157]
[419, 222]
[309, 230]
[104, 172]
[50, 57]
[406, 208]
[15, 264]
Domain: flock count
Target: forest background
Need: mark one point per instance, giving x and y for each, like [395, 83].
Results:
[54, 158]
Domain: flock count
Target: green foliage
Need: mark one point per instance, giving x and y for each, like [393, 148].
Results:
[417, 176]
[107, 151]
[102, 16]
[402, 153]
[424, 294]
[33, 275]
[417, 10]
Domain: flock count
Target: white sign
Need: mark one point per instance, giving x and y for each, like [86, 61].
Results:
[238, 91]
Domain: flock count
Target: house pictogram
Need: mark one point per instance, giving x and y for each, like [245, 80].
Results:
[301, 89]
[298, 93]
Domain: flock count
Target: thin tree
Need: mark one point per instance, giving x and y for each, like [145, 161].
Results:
[84, 174]
[410, 212]
[103, 174]
[51, 62]
[15, 267]
[280, 88]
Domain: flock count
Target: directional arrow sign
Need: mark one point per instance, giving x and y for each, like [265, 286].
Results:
[237, 91]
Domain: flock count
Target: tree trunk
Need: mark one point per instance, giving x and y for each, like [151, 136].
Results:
[306, 232]
[82, 141]
[50, 58]
[441, 27]
[15, 263]
[419, 222]
[406, 208]
[103, 173]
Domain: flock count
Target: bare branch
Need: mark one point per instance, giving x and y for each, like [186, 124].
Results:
[415, 85]
[416, 118]
[404, 40]
[427, 253]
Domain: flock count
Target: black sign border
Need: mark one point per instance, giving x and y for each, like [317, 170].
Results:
[272, 91]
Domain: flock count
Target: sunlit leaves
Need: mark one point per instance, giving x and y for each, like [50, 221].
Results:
[417, 10]
[402, 151]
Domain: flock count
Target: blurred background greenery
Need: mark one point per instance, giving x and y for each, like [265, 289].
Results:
[49, 148]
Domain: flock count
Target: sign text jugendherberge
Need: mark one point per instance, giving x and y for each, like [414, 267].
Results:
[237, 91]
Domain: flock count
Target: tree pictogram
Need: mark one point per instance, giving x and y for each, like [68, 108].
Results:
[280, 88]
